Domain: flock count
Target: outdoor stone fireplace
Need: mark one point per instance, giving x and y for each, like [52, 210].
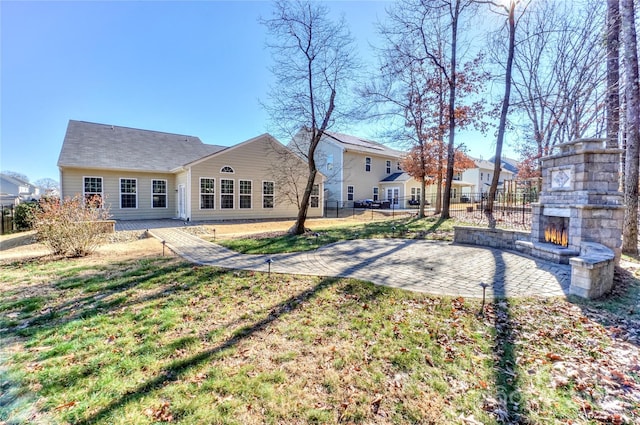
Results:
[582, 209]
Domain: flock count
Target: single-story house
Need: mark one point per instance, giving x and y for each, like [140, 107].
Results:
[145, 174]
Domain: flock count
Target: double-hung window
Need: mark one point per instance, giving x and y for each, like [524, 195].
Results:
[92, 188]
[350, 193]
[268, 192]
[415, 194]
[158, 193]
[315, 196]
[128, 193]
[245, 193]
[376, 193]
[226, 193]
[207, 193]
[388, 167]
[367, 164]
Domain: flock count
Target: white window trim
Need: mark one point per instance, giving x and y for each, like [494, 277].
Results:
[353, 193]
[387, 164]
[315, 196]
[200, 193]
[233, 203]
[166, 193]
[375, 194]
[84, 194]
[227, 172]
[121, 193]
[272, 195]
[250, 194]
[367, 164]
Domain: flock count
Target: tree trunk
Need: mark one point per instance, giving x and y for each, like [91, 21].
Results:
[452, 118]
[503, 113]
[630, 230]
[423, 188]
[613, 70]
[299, 228]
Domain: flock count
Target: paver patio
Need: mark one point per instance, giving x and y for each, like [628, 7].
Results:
[440, 268]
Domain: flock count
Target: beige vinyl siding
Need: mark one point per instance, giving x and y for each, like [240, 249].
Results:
[363, 181]
[253, 161]
[332, 185]
[72, 185]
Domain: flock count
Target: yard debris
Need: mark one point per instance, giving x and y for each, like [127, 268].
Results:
[161, 413]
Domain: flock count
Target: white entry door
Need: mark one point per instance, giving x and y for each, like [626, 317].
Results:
[393, 193]
[182, 202]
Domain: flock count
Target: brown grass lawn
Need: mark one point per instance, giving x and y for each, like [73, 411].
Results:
[127, 336]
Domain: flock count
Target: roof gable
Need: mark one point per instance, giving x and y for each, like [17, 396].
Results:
[354, 143]
[300, 144]
[92, 145]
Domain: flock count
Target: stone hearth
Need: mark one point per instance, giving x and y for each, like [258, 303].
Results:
[580, 194]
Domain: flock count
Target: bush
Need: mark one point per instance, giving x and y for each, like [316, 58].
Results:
[71, 227]
[23, 215]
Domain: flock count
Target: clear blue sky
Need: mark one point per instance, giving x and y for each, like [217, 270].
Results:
[198, 68]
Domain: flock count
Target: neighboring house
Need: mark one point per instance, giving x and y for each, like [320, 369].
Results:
[478, 179]
[14, 190]
[144, 174]
[356, 169]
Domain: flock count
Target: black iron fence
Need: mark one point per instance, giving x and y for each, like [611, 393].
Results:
[511, 209]
[7, 222]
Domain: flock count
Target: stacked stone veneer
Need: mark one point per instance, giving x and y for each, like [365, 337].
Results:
[580, 194]
[580, 183]
[494, 238]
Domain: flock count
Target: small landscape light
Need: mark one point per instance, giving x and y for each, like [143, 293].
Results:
[484, 290]
[269, 261]
[214, 234]
[163, 245]
[393, 231]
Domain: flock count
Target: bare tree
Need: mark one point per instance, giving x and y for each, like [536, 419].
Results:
[313, 66]
[613, 72]
[558, 72]
[504, 110]
[632, 164]
[424, 35]
[47, 184]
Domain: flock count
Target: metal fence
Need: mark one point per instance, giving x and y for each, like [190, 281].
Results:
[7, 223]
[509, 210]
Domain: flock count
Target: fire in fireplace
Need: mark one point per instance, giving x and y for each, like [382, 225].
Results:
[556, 236]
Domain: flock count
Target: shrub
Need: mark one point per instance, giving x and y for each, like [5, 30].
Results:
[23, 215]
[70, 227]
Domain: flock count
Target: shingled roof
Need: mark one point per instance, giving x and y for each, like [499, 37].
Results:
[354, 143]
[102, 146]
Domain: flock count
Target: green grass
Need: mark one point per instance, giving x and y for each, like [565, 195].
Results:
[147, 341]
[428, 228]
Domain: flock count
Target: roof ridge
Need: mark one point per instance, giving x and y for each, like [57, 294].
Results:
[138, 129]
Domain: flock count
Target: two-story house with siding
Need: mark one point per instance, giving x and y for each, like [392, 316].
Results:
[145, 174]
[14, 190]
[356, 169]
[479, 178]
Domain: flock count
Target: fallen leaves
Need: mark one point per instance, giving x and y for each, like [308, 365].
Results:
[161, 413]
